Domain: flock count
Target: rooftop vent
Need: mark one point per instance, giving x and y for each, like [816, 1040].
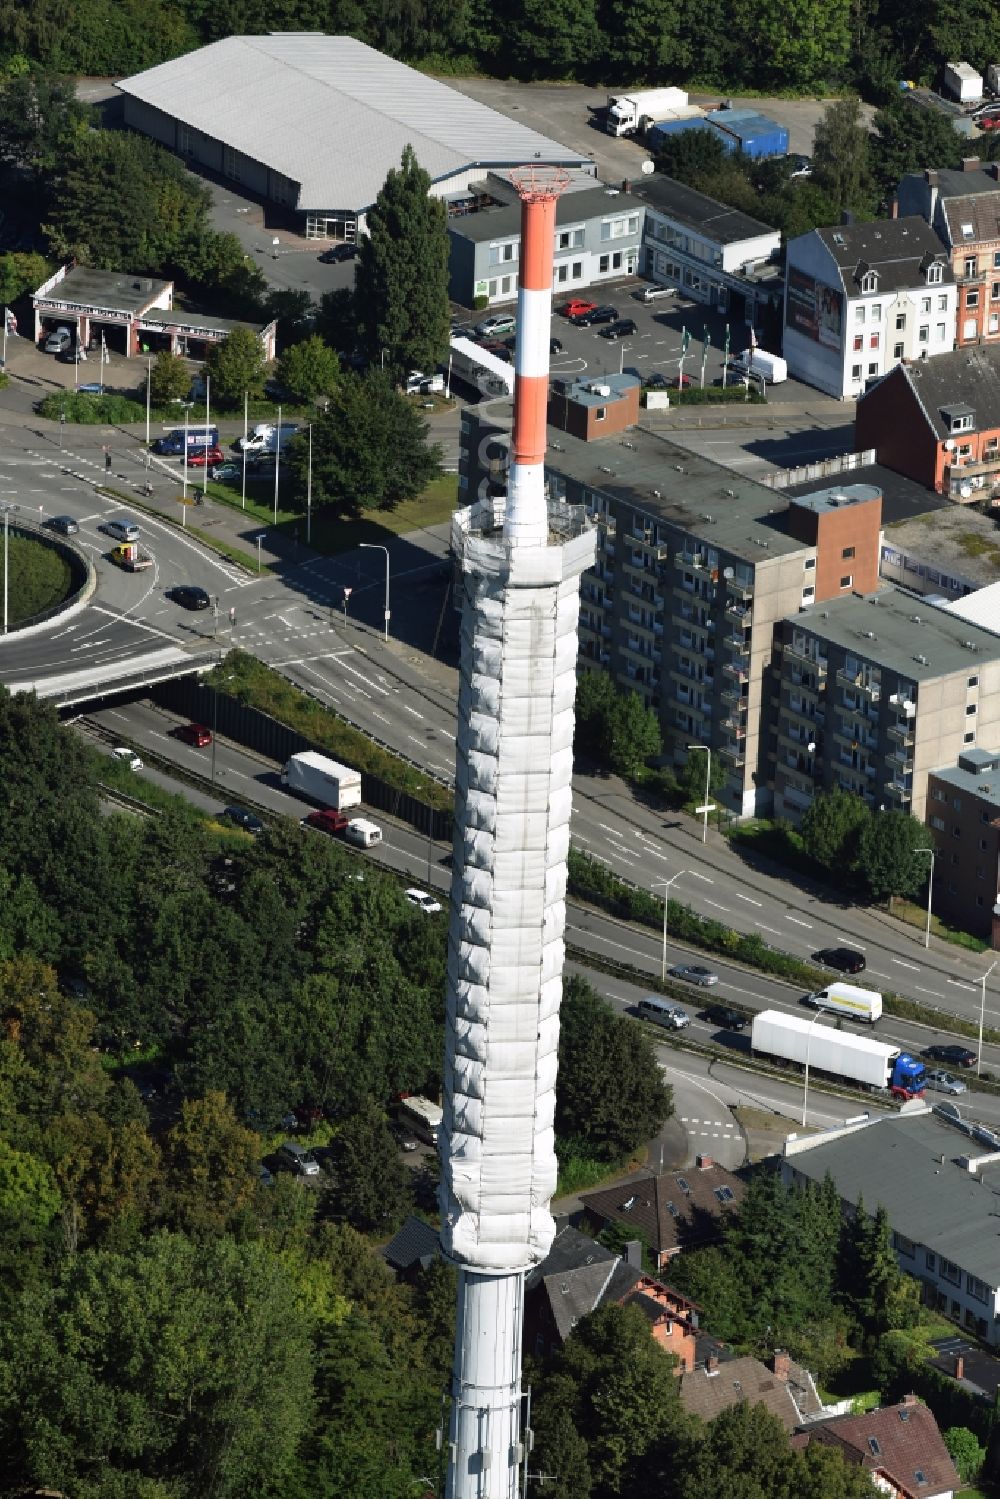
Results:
[605, 470]
[870, 635]
[656, 494]
[730, 492]
[915, 619]
[922, 660]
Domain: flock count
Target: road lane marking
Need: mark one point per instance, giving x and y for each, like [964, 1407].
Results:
[748, 898]
[796, 922]
[698, 876]
[852, 940]
[767, 928]
[961, 984]
[900, 964]
[717, 907]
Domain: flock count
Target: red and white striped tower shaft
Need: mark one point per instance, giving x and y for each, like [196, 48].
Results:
[526, 520]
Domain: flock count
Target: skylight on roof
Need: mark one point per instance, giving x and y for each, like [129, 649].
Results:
[838, 239]
[920, 1475]
[874, 1447]
[967, 231]
[685, 1186]
[724, 1194]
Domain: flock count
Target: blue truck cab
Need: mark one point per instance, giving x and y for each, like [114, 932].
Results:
[908, 1078]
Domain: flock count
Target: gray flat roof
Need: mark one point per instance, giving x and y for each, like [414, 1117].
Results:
[112, 289]
[334, 115]
[902, 628]
[638, 468]
[984, 783]
[179, 318]
[902, 498]
[956, 539]
[718, 222]
[819, 501]
[585, 203]
[896, 1162]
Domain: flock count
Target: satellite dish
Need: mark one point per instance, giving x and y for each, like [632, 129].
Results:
[811, 746]
[727, 572]
[949, 446]
[648, 167]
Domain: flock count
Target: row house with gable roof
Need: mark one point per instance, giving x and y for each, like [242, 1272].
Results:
[963, 207]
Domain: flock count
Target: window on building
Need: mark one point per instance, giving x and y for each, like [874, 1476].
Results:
[980, 901]
[897, 351]
[876, 312]
[562, 273]
[965, 449]
[942, 304]
[874, 340]
[809, 562]
[900, 321]
[600, 414]
[856, 372]
[847, 552]
[859, 313]
[961, 423]
[808, 594]
[971, 265]
[939, 332]
[970, 710]
[604, 264]
[996, 260]
[577, 269]
[974, 681]
[925, 304]
[869, 283]
[858, 343]
[873, 369]
[977, 1289]
[930, 1259]
[968, 738]
[923, 334]
[950, 1272]
[847, 580]
[571, 239]
[972, 297]
[934, 273]
[938, 824]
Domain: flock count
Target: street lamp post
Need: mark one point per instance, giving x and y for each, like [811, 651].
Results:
[930, 892]
[982, 1016]
[149, 386]
[6, 557]
[208, 396]
[184, 492]
[805, 1090]
[215, 721]
[277, 464]
[309, 489]
[260, 538]
[373, 546]
[246, 399]
[708, 781]
[666, 906]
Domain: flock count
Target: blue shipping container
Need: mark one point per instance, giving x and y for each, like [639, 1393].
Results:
[656, 134]
[751, 133]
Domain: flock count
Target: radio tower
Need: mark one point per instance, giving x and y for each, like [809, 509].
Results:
[521, 558]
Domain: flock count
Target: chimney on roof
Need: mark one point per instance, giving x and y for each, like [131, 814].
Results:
[894, 209]
[781, 1363]
[711, 1363]
[847, 216]
[970, 163]
[959, 1366]
[633, 1253]
[703, 1162]
[992, 169]
[910, 1399]
[930, 177]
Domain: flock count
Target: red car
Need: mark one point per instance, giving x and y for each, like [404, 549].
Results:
[576, 308]
[200, 456]
[327, 821]
[193, 733]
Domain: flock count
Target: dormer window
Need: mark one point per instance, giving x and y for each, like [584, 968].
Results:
[967, 231]
[869, 283]
[934, 273]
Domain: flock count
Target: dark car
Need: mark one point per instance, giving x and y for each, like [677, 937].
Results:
[555, 347]
[695, 973]
[622, 329]
[844, 959]
[955, 1056]
[604, 314]
[337, 253]
[64, 524]
[195, 734]
[656, 381]
[248, 821]
[726, 1019]
[189, 597]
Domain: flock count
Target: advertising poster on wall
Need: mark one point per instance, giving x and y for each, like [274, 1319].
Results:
[814, 310]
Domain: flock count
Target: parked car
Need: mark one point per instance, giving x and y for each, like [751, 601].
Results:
[497, 348]
[424, 901]
[955, 1056]
[131, 759]
[799, 165]
[622, 329]
[656, 381]
[943, 1082]
[496, 325]
[297, 1159]
[726, 1019]
[654, 293]
[681, 382]
[555, 347]
[226, 470]
[202, 456]
[243, 818]
[603, 314]
[64, 524]
[337, 253]
[58, 341]
[694, 973]
[326, 820]
[576, 307]
[195, 734]
[844, 959]
[189, 596]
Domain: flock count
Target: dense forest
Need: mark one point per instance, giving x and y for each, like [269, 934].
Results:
[732, 45]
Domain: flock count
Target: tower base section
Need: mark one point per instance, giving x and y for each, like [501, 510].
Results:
[486, 1388]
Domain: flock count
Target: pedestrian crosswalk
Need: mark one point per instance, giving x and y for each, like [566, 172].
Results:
[714, 1129]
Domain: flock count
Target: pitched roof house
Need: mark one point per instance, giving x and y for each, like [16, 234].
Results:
[676, 1211]
[964, 207]
[786, 1389]
[900, 1446]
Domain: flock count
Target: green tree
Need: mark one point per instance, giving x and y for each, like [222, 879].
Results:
[337, 320]
[371, 1185]
[309, 369]
[833, 827]
[170, 378]
[217, 266]
[692, 777]
[401, 296]
[642, 38]
[616, 728]
[370, 448]
[40, 119]
[20, 274]
[611, 1095]
[841, 166]
[908, 138]
[180, 1358]
[236, 366]
[211, 1167]
[965, 1452]
[691, 156]
[546, 41]
[293, 311]
[122, 203]
[890, 855]
[795, 43]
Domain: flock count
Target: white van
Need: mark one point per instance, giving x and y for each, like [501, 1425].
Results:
[362, 833]
[662, 1012]
[121, 530]
[654, 293]
[268, 439]
[770, 368]
[848, 999]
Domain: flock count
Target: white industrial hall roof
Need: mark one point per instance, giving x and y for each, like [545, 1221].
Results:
[334, 115]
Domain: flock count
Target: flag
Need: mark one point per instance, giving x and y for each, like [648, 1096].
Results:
[10, 320]
[753, 338]
[685, 340]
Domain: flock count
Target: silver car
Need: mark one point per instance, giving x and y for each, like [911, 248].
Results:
[943, 1082]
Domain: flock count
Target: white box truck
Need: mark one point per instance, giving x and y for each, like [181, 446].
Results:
[362, 833]
[770, 368]
[963, 83]
[628, 114]
[322, 780]
[849, 1000]
[421, 1116]
[856, 1059]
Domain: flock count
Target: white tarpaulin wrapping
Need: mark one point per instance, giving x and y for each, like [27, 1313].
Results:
[513, 802]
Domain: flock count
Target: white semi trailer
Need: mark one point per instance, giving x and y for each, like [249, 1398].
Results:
[841, 1054]
[323, 780]
[629, 114]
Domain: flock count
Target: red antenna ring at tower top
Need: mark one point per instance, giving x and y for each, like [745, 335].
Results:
[539, 184]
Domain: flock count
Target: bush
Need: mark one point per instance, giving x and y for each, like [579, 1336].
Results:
[714, 395]
[92, 411]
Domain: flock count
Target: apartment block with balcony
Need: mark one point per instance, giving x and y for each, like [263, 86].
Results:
[963, 207]
[963, 815]
[695, 569]
[872, 693]
[939, 423]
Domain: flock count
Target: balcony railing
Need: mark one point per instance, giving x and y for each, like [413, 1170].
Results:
[901, 733]
[734, 669]
[903, 703]
[740, 612]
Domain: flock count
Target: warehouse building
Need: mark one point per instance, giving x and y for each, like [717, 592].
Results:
[312, 124]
